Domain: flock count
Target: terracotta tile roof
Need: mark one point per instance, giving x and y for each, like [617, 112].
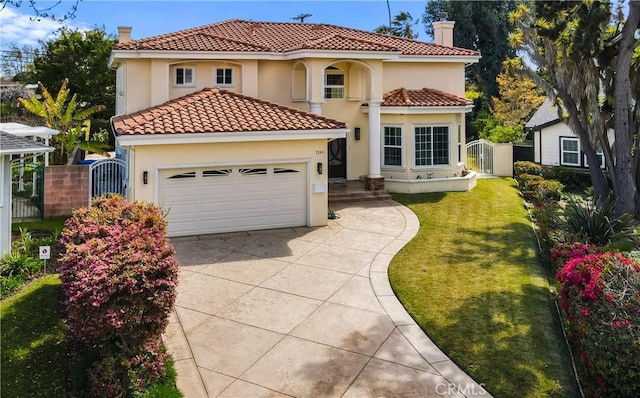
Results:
[424, 97]
[214, 110]
[282, 37]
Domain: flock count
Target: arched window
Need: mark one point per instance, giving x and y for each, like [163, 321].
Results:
[333, 83]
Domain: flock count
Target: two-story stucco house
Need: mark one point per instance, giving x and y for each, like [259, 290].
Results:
[240, 125]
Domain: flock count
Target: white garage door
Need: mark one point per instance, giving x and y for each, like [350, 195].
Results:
[225, 199]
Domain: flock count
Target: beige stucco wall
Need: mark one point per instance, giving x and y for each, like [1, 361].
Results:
[408, 122]
[365, 80]
[458, 184]
[152, 158]
[503, 160]
[447, 77]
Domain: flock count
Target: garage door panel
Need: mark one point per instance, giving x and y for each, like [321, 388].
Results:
[224, 199]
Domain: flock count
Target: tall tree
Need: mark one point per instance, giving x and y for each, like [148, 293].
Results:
[584, 54]
[482, 26]
[81, 59]
[401, 25]
[46, 9]
[65, 115]
[519, 98]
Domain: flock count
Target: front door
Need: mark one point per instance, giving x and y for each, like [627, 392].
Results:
[337, 157]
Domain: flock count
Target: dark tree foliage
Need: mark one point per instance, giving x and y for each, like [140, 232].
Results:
[81, 58]
[402, 25]
[588, 58]
[482, 26]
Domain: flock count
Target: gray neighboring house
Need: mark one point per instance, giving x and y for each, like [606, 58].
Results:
[12, 146]
[554, 143]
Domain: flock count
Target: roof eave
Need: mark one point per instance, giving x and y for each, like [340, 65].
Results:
[421, 110]
[117, 55]
[386, 56]
[357, 54]
[25, 151]
[129, 140]
[467, 59]
[543, 125]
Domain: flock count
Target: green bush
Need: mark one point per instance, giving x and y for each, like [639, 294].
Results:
[536, 189]
[573, 180]
[590, 223]
[15, 269]
[547, 219]
[524, 167]
[526, 180]
[600, 300]
[11, 283]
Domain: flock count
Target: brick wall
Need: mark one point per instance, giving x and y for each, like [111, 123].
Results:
[66, 188]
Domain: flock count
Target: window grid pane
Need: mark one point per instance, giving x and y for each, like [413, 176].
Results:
[334, 80]
[570, 152]
[334, 92]
[179, 76]
[422, 145]
[392, 146]
[440, 145]
[224, 76]
[431, 146]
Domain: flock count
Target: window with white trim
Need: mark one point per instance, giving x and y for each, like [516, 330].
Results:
[224, 76]
[392, 146]
[184, 77]
[431, 146]
[333, 83]
[569, 151]
[600, 156]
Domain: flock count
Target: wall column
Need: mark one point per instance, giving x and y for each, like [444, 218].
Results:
[374, 181]
[315, 107]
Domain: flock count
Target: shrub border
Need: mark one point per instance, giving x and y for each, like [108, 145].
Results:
[554, 296]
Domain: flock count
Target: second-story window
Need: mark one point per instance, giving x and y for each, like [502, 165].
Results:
[184, 77]
[333, 83]
[224, 76]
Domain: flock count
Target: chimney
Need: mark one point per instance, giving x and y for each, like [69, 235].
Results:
[124, 34]
[443, 31]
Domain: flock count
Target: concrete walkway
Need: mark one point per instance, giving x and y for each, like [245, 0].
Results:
[305, 312]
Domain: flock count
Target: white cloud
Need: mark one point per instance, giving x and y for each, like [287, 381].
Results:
[21, 29]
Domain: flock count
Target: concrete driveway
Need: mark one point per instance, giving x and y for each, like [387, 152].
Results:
[304, 312]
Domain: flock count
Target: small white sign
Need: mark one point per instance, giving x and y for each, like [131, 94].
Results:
[45, 252]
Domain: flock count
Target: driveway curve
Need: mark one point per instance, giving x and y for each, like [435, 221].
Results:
[304, 312]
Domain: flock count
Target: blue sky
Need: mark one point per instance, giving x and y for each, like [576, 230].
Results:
[149, 18]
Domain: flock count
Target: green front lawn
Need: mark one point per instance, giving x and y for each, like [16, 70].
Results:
[49, 224]
[33, 350]
[472, 280]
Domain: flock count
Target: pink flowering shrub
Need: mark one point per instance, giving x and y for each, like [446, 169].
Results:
[569, 251]
[600, 300]
[119, 281]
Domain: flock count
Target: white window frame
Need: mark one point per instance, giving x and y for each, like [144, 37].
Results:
[599, 153]
[401, 146]
[224, 75]
[328, 72]
[184, 69]
[414, 148]
[562, 151]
